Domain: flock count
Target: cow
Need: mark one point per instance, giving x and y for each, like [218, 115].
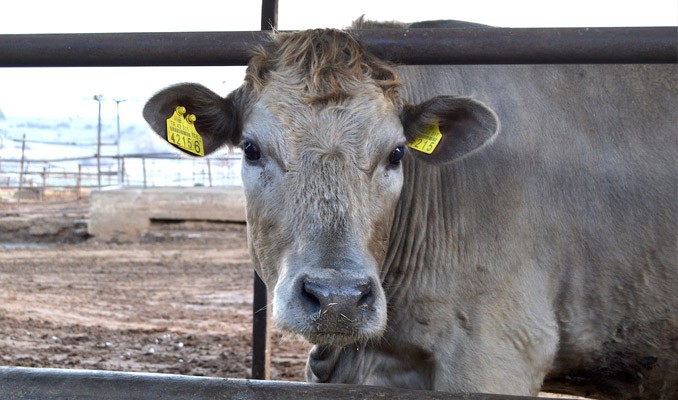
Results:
[497, 229]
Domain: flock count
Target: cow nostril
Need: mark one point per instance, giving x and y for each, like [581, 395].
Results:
[366, 298]
[312, 296]
[342, 299]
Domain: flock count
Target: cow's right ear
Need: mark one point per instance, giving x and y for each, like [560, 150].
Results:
[217, 118]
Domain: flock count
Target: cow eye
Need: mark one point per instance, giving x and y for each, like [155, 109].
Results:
[396, 155]
[251, 151]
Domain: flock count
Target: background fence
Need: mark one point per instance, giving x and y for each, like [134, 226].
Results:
[27, 178]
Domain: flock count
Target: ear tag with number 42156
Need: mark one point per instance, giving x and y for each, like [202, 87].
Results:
[181, 132]
[428, 140]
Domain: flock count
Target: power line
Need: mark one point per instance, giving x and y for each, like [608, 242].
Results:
[160, 156]
[61, 143]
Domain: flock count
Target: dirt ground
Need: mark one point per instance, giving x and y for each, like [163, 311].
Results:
[178, 301]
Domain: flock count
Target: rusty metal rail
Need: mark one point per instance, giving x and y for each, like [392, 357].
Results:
[41, 383]
[409, 46]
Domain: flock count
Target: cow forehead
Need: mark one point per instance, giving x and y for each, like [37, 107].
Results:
[320, 89]
[359, 125]
[328, 153]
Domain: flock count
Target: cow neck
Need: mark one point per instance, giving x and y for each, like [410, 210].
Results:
[419, 232]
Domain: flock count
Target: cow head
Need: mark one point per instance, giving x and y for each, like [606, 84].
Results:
[323, 133]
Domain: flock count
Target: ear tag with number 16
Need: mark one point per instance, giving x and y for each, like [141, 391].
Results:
[181, 132]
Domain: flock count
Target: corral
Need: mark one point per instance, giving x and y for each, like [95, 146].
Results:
[159, 233]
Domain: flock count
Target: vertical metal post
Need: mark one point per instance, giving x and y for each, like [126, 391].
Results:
[21, 169]
[143, 166]
[261, 344]
[78, 182]
[269, 15]
[98, 98]
[209, 172]
[123, 172]
[117, 110]
[44, 183]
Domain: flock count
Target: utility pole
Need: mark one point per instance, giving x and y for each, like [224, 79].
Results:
[99, 98]
[117, 109]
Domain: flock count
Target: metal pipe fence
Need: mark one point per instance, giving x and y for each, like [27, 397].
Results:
[30, 178]
[407, 46]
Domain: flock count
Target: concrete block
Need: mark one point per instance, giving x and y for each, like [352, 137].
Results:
[127, 212]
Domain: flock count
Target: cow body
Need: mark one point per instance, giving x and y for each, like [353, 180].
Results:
[534, 247]
[551, 252]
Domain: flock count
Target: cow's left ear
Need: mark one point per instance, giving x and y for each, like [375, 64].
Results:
[465, 125]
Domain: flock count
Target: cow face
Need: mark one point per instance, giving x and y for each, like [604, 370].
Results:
[323, 134]
[321, 190]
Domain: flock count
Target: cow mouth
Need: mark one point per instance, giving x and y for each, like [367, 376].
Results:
[339, 339]
[339, 329]
[328, 331]
[336, 333]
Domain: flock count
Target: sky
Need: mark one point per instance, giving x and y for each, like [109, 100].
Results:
[48, 93]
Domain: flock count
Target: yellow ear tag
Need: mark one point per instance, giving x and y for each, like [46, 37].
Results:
[428, 140]
[181, 132]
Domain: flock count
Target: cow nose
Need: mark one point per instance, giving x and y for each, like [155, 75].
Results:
[337, 299]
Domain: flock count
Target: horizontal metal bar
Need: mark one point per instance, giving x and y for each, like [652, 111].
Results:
[526, 45]
[128, 49]
[51, 384]
[408, 46]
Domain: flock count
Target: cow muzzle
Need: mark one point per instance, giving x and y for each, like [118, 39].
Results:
[336, 310]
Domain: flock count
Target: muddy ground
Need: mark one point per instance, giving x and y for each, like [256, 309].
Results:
[177, 301]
